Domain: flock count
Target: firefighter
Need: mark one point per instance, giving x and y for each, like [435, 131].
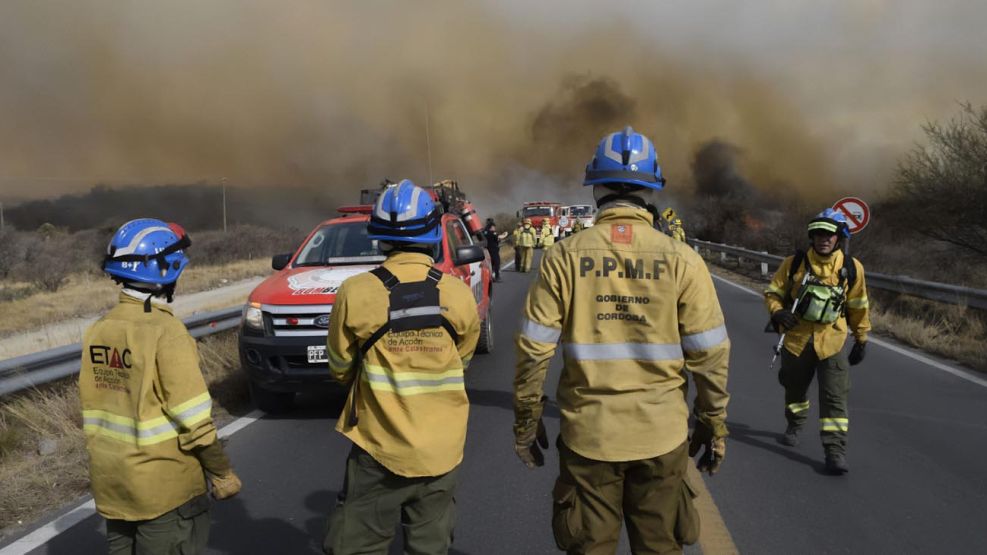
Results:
[831, 297]
[633, 309]
[516, 236]
[677, 229]
[547, 237]
[577, 226]
[527, 239]
[401, 336]
[146, 411]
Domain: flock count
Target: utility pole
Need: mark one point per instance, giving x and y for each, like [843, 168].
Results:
[223, 181]
[1, 217]
[428, 146]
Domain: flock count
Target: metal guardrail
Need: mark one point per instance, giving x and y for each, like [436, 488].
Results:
[942, 292]
[24, 372]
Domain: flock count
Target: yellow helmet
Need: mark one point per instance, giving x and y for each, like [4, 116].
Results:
[527, 221]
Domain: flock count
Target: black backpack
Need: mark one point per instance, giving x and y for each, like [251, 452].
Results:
[412, 306]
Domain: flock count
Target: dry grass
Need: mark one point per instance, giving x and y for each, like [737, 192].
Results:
[87, 295]
[35, 483]
[951, 331]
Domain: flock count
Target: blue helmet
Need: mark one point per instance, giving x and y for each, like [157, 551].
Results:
[406, 213]
[830, 221]
[625, 157]
[147, 252]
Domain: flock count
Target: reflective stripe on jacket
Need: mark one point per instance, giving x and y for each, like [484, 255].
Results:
[632, 308]
[145, 406]
[411, 400]
[828, 339]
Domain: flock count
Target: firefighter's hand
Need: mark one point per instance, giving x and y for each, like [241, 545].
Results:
[714, 449]
[225, 486]
[857, 353]
[784, 319]
[527, 449]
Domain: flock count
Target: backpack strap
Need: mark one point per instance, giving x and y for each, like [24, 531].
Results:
[850, 272]
[435, 275]
[798, 259]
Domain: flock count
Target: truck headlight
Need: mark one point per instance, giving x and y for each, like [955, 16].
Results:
[253, 317]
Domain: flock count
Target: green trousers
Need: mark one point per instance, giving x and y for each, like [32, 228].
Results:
[526, 254]
[834, 386]
[374, 500]
[183, 531]
[591, 500]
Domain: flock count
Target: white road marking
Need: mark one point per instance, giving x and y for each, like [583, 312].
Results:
[890, 346]
[87, 507]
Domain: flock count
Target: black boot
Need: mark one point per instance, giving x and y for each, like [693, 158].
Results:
[836, 464]
[791, 436]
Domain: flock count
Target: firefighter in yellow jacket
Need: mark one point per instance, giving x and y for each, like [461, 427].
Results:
[527, 239]
[547, 237]
[813, 297]
[146, 411]
[633, 310]
[402, 335]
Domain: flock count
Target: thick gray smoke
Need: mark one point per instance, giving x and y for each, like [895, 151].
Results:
[334, 95]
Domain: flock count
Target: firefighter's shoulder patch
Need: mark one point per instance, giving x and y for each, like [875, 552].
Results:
[621, 233]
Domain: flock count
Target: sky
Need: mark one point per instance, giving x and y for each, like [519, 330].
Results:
[819, 97]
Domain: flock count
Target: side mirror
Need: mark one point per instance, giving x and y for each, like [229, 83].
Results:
[468, 255]
[280, 261]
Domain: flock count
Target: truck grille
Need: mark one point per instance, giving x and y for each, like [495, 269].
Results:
[301, 320]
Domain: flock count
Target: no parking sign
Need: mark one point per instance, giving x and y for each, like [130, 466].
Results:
[856, 211]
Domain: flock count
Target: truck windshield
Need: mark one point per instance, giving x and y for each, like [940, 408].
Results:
[537, 211]
[581, 211]
[340, 244]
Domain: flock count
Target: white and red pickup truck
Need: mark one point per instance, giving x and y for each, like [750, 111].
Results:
[282, 339]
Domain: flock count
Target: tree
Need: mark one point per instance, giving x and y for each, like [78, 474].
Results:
[942, 185]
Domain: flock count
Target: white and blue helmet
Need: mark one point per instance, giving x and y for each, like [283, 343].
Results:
[625, 157]
[147, 252]
[405, 212]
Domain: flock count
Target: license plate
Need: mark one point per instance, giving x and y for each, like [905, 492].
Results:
[317, 354]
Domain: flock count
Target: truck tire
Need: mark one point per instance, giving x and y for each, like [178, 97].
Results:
[273, 402]
[486, 342]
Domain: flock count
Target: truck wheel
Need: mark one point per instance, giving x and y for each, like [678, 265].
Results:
[271, 401]
[486, 341]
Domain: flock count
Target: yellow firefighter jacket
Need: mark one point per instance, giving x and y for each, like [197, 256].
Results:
[145, 406]
[828, 339]
[411, 395]
[547, 239]
[633, 309]
[528, 236]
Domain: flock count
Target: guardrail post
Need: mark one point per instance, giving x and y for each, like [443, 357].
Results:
[764, 266]
[723, 257]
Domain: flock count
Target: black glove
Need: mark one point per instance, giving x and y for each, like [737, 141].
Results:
[784, 319]
[857, 353]
[715, 448]
[526, 446]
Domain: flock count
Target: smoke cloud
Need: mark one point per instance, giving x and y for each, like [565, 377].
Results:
[333, 96]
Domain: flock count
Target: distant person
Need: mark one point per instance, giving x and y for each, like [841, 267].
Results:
[527, 239]
[633, 310]
[516, 239]
[401, 336]
[493, 246]
[547, 237]
[833, 295]
[677, 229]
[146, 411]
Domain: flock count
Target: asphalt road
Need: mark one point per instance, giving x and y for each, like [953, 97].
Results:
[918, 442]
